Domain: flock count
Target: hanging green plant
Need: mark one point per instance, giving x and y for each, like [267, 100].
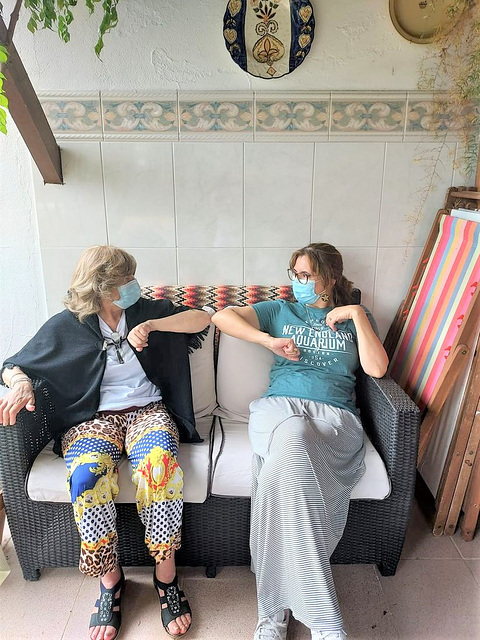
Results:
[58, 14]
[54, 15]
[3, 97]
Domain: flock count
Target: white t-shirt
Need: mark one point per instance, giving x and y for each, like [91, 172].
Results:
[123, 385]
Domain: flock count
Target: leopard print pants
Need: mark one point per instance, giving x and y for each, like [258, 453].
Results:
[92, 451]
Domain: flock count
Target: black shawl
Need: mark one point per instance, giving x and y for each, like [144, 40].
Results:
[69, 356]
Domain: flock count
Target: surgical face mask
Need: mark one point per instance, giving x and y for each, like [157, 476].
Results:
[305, 293]
[129, 294]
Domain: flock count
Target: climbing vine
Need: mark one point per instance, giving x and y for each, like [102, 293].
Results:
[452, 71]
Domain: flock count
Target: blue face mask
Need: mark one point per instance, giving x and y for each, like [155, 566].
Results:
[129, 294]
[305, 293]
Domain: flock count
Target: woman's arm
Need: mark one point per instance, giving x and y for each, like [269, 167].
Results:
[191, 321]
[242, 322]
[20, 395]
[373, 357]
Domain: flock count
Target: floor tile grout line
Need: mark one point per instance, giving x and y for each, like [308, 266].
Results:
[452, 538]
[387, 602]
[477, 580]
[72, 608]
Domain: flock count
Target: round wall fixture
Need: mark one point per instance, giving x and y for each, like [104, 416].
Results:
[420, 20]
[268, 38]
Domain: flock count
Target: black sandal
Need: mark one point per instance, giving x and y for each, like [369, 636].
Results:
[106, 616]
[176, 607]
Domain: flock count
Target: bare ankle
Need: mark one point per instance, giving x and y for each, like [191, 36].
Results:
[166, 570]
[111, 578]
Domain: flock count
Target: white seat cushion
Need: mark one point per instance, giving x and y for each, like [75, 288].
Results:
[243, 372]
[47, 480]
[202, 374]
[233, 472]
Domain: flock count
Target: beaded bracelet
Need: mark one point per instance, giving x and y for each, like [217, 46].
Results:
[19, 379]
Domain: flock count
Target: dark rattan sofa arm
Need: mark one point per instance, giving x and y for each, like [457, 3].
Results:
[392, 421]
[22, 442]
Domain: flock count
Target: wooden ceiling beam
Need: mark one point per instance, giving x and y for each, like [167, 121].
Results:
[26, 110]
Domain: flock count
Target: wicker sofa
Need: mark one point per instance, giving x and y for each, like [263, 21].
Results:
[216, 522]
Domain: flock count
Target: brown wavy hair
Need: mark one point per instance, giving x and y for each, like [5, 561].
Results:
[99, 270]
[327, 262]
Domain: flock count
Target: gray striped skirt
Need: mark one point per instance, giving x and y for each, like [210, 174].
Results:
[307, 458]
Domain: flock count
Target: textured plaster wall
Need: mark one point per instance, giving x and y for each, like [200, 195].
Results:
[22, 296]
[169, 45]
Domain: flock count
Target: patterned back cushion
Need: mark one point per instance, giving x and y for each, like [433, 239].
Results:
[222, 296]
[218, 297]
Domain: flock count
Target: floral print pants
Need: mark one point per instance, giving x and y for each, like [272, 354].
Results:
[92, 451]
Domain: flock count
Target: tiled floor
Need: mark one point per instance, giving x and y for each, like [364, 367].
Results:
[435, 595]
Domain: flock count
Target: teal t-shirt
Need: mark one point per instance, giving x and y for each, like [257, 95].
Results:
[328, 360]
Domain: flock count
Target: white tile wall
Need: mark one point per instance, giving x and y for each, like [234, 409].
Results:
[278, 194]
[347, 193]
[209, 194]
[73, 214]
[232, 212]
[359, 267]
[210, 266]
[155, 266]
[267, 266]
[395, 267]
[410, 170]
[58, 265]
[139, 194]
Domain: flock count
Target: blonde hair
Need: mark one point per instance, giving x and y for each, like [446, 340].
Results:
[327, 262]
[99, 270]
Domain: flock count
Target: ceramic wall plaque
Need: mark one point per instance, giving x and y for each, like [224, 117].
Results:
[269, 38]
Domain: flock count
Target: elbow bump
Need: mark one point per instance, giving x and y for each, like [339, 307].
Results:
[378, 372]
[219, 314]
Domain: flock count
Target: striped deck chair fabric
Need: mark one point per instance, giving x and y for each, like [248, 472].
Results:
[438, 310]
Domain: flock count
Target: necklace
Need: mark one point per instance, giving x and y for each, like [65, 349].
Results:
[115, 339]
[317, 324]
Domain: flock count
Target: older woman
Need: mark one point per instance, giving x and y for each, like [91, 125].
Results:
[118, 371]
[306, 438]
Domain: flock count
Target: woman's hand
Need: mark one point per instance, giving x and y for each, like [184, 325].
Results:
[341, 314]
[138, 336]
[373, 357]
[284, 347]
[21, 396]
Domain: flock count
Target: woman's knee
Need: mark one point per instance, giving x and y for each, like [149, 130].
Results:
[90, 471]
[291, 437]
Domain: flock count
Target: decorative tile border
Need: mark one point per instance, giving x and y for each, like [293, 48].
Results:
[371, 115]
[292, 116]
[74, 115]
[436, 117]
[254, 116]
[216, 116]
[140, 117]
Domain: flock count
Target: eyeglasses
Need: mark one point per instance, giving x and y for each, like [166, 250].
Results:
[303, 278]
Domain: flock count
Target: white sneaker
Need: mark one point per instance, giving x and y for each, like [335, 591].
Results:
[328, 635]
[274, 628]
